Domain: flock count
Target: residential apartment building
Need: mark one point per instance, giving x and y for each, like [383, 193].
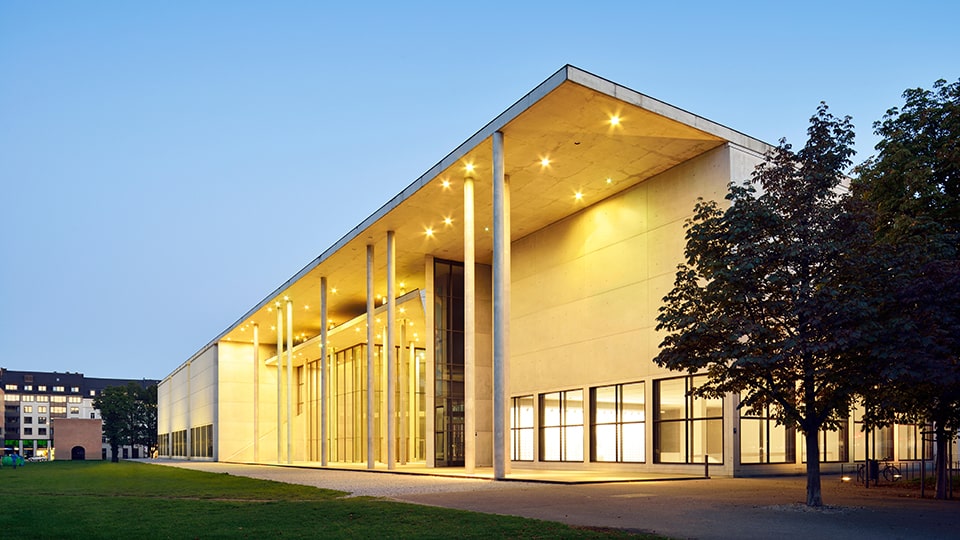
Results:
[33, 399]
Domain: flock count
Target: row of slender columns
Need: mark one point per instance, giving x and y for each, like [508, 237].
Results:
[501, 314]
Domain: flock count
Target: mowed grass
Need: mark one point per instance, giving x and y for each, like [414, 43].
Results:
[90, 499]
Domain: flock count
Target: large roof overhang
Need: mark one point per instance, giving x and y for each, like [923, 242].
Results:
[566, 119]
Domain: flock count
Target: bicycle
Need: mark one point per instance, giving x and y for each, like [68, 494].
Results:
[889, 471]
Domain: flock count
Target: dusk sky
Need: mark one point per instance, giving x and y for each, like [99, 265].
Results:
[166, 165]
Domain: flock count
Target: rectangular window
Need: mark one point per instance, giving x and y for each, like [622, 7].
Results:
[58, 399]
[75, 389]
[42, 388]
[27, 419]
[28, 388]
[561, 426]
[41, 419]
[26, 397]
[41, 431]
[58, 409]
[618, 421]
[93, 392]
[43, 398]
[686, 429]
[11, 397]
[41, 408]
[58, 389]
[74, 399]
[300, 384]
[521, 428]
[28, 431]
[763, 441]
[833, 445]
[74, 410]
[28, 408]
[877, 443]
[10, 387]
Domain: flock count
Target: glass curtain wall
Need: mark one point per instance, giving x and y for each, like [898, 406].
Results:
[686, 429]
[448, 357]
[762, 440]
[618, 419]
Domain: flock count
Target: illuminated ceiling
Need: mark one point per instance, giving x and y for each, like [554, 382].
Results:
[574, 140]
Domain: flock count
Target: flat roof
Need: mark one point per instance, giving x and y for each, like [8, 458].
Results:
[567, 120]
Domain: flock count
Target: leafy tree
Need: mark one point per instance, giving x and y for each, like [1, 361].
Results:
[129, 415]
[770, 302]
[913, 186]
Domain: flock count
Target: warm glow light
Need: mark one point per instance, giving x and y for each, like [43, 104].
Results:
[844, 478]
[306, 306]
[578, 196]
[445, 183]
[609, 180]
[469, 167]
[545, 162]
[403, 310]
[334, 290]
[448, 221]
[428, 231]
[615, 120]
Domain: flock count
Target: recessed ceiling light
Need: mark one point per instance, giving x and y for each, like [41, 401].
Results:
[545, 162]
[609, 180]
[615, 120]
[469, 167]
[429, 232]
[445, 183]
[448, 221]
[578, 196]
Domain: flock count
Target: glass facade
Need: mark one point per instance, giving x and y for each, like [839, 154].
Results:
[448, 356]
[763, 441]
[686, 429]
[561, 426]
[618, 423]
[521, 428]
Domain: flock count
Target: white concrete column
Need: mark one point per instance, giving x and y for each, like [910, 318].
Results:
[256, 393]
[289, 381]
[323, 371]
[370, 352]
[469, 330]
[389, 355]
[279, 381]
[404, 390]
[501, 310]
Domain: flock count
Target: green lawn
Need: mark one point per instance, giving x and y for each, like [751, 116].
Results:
[66, 499]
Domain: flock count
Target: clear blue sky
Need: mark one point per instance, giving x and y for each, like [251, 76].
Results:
[153, 155]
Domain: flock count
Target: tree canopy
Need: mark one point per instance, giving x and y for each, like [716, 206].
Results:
[770, 301]
[913, 188]
[129, 415]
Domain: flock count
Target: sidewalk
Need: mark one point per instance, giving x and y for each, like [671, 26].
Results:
[746, 508]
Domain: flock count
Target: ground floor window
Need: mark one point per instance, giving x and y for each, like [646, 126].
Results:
[686, 429]
[877, 443]
[561, 426]
[833, 444]
[763, 441]
[163, 444]
[911, 444]
[202, 441]
[179, 443]
[521, 428]
[618, 422]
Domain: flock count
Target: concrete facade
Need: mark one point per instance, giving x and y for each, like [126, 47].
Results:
[597, 182]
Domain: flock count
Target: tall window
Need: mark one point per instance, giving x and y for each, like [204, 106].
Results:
[618, 420]
[449, 435]
[521, 428]
[561, 426]
[763, 441]
[909, 440]
[686, 429]
[876, 443]
[833, 444]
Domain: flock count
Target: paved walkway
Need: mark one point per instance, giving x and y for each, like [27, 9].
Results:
[717, 508]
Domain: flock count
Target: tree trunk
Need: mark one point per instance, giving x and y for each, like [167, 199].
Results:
[813, 468]
[940, 462]
[115, 452]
